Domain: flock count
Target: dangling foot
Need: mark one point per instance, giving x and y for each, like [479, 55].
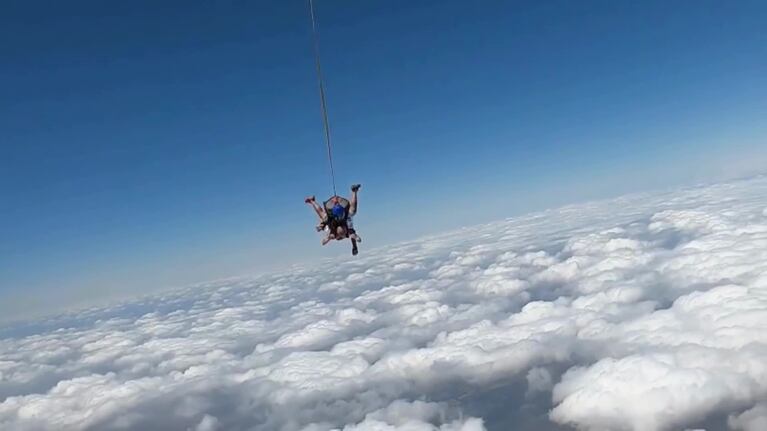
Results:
[355, 250]
[356, 187]
[309, 200]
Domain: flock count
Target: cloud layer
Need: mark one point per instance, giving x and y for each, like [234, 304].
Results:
[647, 312]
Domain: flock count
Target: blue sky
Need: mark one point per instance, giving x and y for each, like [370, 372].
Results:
[150, 145]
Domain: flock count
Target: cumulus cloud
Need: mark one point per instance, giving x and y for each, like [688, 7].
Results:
[415, 416]
[647, 312]
[755, 419]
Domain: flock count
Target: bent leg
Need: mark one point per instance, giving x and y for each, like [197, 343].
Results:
[353, 202]
[352, 231]
[318, 209]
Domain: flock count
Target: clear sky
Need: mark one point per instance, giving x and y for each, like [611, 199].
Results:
[154, 144]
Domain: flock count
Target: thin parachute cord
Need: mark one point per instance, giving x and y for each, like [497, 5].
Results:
[323, 103]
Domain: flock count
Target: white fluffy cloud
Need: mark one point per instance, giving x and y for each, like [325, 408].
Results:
[647, 312]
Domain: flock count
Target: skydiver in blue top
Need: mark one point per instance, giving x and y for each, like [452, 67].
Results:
[336, 217]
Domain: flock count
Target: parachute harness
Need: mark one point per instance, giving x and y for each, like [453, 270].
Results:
[323, 103]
